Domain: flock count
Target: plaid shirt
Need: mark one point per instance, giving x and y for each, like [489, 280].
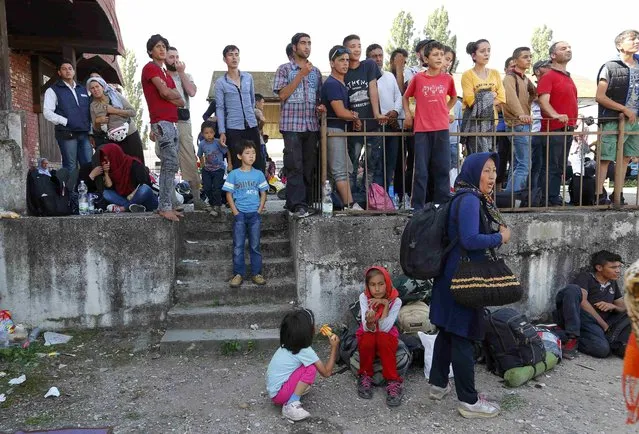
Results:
[298, 113]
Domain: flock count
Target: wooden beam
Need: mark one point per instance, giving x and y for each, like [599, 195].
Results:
[5, 75]
[55, 44]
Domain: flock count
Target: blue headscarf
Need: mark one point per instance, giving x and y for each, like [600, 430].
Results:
[468, 182]
[114, 95]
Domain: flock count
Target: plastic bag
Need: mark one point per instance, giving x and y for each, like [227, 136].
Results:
[428, 341]
[378, 199]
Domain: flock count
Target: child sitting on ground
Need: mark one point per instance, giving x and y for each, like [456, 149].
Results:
[378, 336]
[211, 153]
[294, 365]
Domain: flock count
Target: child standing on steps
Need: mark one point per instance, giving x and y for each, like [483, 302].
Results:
[212, 153]
[246, 195]
[378, 336]
[294, 365]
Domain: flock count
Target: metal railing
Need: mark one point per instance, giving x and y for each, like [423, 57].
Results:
[361, 191]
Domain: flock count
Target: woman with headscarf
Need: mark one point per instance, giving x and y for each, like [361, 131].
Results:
[126, 180]
[113, 114]
[43, 167]
[483, 93]
[630, 379]
[458, 325]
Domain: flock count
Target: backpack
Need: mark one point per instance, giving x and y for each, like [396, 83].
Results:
[47, 195]
[347, 345]
[378, 199]
[413, 318]
[618, 334]
[511, 341]
[425, 244]
[413, 289]
[403, 357]
[519, 199]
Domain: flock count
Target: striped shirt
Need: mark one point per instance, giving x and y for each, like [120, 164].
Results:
[298, 112]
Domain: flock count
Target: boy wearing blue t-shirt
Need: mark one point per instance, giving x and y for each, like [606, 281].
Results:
[211, 154]
[246, 195]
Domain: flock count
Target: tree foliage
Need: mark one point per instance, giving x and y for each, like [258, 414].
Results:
[436, 27]
[133, 88]
[540, 43]
[401, 36]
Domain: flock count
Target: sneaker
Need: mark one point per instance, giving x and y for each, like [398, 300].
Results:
[438, 393]
[603, 200]
[569, 349]
[199, 205]
[394, 393]
[365, 386]
[258, 279]
[301, 213]
[356, 207]
[407, 205]
[115, 208]
[134, 207]
[294, 411]
[236, 281]
[481, 409]
[215, 212]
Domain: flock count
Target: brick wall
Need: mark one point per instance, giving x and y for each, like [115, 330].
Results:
[22, 99]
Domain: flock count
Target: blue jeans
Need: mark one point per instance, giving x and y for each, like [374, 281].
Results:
[432, 163]
[591, 338]
[391, 148]
[558, 149]
[454, 155]
[250, 222]
[75, 150]
[374, 160]
[537, 155]
[166, 135]
[521, 152]
[212, 180]
[144, 196]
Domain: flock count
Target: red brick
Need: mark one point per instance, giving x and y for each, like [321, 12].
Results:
[22, 99]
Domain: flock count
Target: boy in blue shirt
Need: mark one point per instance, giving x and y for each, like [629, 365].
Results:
[246, 189]
[211, 154]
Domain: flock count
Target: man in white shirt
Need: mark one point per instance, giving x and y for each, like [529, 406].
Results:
[186, 87]
[66, 105]
[390, 102]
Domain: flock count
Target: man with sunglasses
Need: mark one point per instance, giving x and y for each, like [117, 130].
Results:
[298, 84]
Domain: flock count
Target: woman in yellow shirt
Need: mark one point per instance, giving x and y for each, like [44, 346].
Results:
[483, 93]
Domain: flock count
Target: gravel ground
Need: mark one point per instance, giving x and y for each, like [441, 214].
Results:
[120, 380]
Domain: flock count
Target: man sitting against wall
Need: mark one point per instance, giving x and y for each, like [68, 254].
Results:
[589, 307]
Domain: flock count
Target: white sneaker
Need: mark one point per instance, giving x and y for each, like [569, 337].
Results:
[439, 393]
[294, 411]
[356, 207]
[481, 409]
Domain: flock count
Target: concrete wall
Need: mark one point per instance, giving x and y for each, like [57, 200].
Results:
[332, 254]
[87, 271]
[12, 162]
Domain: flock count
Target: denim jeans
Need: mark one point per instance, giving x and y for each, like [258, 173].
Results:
[521, 151]
[391, 148]
[247, 223]
[374, 161]
[300, 161]
[144, 196]
[75, 150]
[454, 155]
[558, 149]
[536, 155]
[591, 338]
[450, 348]
[212, 180]
[403, 180]
[432, 162]
[167, 138]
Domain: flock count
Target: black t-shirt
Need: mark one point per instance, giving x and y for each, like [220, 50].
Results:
[357, 81]
[334, 90]
[598, 292]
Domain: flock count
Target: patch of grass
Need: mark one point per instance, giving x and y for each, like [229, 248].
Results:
[42, 419]
[512, 402]
[231, 347]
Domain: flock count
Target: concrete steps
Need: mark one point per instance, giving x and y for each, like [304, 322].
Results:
[211, 315]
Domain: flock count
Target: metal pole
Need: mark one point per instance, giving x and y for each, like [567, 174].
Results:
[620, 170]
[323, 150]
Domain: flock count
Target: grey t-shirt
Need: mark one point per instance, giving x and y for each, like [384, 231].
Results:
[178, 85]
[632, 101]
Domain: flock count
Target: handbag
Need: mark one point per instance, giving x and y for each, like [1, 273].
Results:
[183, 114]
[485, 282]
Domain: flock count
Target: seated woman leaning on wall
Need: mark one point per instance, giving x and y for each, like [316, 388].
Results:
[112, 113]
[126, 180]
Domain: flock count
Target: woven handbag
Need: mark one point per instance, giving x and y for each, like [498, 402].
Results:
[485, 282]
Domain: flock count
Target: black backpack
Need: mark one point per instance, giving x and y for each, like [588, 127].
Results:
[511, 341]
[425, 242]
[618, 334]
[47, 195]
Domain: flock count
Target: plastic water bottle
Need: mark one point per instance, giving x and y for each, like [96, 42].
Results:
[92, 203]
[396, 201]
[327, 202]
[83, 199]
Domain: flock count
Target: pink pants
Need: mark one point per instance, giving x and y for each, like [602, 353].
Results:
[305, 374]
